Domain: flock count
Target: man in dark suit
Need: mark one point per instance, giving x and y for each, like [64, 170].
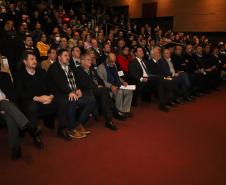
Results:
[106, 51]
[168, 85]
[180, 79]
[92, 85]
[14, 118]
[29, 47]
[196, 76]
[96, 49]
[140, 74]
[69, 98]
[75, 58]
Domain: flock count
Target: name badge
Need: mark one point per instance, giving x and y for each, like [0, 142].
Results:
[120, 73]
[5, 62]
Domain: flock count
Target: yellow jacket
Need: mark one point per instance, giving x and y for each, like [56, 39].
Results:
[43, 48]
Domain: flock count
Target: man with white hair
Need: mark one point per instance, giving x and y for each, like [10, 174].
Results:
[156, 70]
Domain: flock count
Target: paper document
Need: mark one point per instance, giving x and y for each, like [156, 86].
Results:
[128, 87]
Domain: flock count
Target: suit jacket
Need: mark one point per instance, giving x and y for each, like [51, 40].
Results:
[135, 71]
[157, 68]
[72, 65]
[164, 66]
[85, 81]
[97, 54]
[103, 75]
[58, 80]
[191, 65]
[179, 62]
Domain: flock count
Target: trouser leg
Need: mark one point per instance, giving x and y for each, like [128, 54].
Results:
[128, 96]
[119, 100]
[12, 110]
[13, 131]
[87, 105]
[105, 101]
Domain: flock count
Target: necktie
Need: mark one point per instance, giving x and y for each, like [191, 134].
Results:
[144, 66]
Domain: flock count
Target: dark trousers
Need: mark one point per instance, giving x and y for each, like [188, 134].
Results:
[103, 98]
[15, 120]
[164, 89]
[73, 113]
[182, 84]
[35, 110]
[198, 81]
[213, 79]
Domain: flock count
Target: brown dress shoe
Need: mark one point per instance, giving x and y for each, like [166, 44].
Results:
[82, 130]
[76, 134]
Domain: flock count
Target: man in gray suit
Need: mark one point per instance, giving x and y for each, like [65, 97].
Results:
[109, 74]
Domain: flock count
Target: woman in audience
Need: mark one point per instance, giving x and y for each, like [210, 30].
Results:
[123, 60]
[43, 47]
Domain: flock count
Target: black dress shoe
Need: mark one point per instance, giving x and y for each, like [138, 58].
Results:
[128, 114]
[38, 142]
[187, 98]
[111, 126]
[32, 130]
[199, 94]
[178, 101]
[171, 104]
[164, 109]
[49, 125]
[120, 116]
[16, 153]
[64, 134]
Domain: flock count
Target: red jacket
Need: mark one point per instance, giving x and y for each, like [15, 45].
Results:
[123, 62]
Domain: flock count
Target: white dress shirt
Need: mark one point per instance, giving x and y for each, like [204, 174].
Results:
[142, 64]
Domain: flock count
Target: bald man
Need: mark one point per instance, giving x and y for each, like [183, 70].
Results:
[109, 74]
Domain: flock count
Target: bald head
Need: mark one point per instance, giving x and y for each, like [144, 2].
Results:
[156, 53]
[111, 59]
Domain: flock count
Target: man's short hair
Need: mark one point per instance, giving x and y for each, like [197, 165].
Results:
[27, 36]
[26, 54]
[72, 49]
[49, 50]
[136, 48]
[61, 51]
[83, 56]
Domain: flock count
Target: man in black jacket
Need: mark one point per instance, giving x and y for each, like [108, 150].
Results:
[141, 74]
[75, 58]
[14, 118]
[92, 85]
[33, 95]
[180, 79]
[69, 98]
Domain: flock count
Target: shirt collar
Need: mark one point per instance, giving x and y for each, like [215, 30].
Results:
[155, 61]
[64, 66]
[139, 60]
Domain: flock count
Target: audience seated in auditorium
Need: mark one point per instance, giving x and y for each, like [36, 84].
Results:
[194, 66]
